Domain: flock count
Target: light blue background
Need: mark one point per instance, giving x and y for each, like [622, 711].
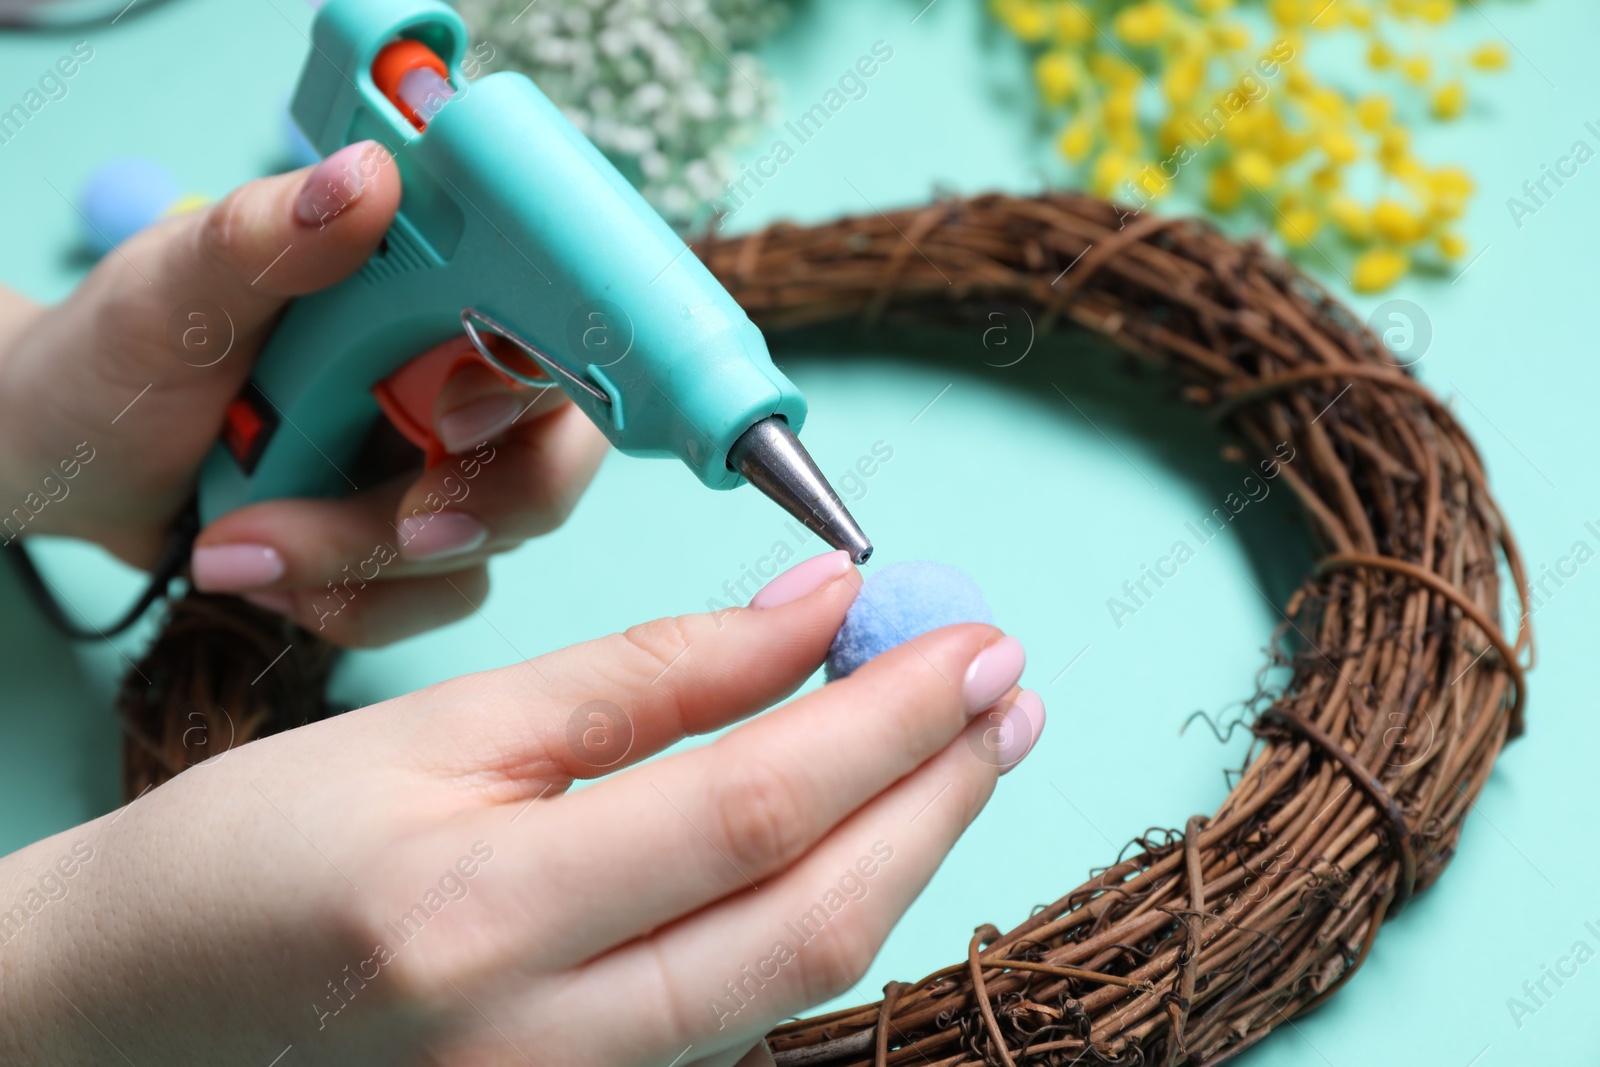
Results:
[1050, 508]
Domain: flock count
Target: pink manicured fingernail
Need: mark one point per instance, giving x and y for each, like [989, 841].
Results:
[275, 602]
[1024, 722]
[992, 673]
[802, 579]
[472, 424]
[448, 533]
[234, 568]
[333, 185]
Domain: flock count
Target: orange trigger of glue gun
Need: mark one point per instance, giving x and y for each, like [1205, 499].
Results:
[407, 396]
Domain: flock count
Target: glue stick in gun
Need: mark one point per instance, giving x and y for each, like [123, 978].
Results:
[517, 238]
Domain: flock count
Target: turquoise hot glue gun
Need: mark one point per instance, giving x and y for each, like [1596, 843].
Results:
[516, 232]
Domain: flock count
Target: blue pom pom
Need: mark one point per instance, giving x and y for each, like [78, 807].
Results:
[123, 197]
[899, 602]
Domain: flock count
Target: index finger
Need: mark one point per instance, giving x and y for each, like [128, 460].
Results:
[685, 831]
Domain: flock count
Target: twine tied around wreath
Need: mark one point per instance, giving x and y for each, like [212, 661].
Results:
[1197, 945]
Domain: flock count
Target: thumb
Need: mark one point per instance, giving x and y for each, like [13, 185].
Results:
[289, 234]
[235, 264]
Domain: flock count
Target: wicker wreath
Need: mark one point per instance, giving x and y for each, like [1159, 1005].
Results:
[1402, 686]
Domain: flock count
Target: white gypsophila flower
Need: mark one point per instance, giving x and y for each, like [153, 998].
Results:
[665, 88]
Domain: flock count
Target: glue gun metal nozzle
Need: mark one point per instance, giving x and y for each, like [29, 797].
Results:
[773, 460]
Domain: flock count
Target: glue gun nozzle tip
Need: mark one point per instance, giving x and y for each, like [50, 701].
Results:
[772, 459]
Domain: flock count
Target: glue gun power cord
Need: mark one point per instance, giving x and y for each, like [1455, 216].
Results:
[174, 556]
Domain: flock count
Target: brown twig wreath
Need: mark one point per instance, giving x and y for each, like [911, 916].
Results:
[1195, 947]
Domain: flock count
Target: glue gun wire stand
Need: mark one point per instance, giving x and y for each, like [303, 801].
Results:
[772, 459]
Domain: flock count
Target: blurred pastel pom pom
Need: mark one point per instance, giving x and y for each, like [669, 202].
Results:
[900, 602]
[122, 197]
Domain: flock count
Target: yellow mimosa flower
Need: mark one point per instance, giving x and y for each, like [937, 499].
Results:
[1299, 227]
[1230, 36]
[1490, 57]
[1417, 69]
[1353, 220]
[1145, 23]
[1374, 112]
[1072, 24]
[1058, 76]
[1025, 18]
[1254, 168]
[1110, 170]
[1450, 100]
[1138, 85]
[1225, 191]
[1437, 11]
[1076, 139]
[1377, 269]
[1395, 222]
[1327, 179]
[1184, 77]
